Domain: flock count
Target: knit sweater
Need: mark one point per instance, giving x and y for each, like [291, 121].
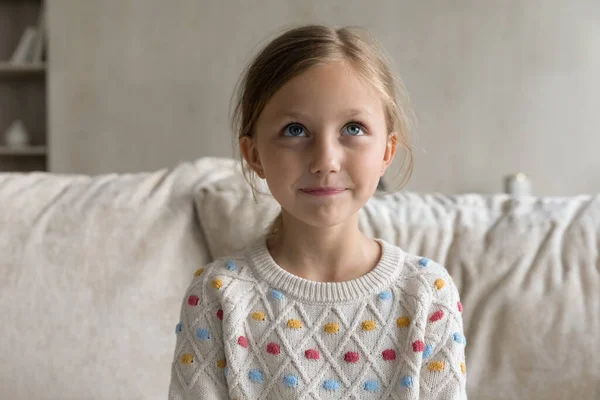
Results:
[251, 330]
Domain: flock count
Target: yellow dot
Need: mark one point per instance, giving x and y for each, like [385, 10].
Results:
[332, 327]
[369, 325]
[403, 322]
[463, 368]
[436, 366]
[187, 359]
[258, 316]
[439, 283]
[199, 272]
[294, 323]
[221, 363]
[217, 283]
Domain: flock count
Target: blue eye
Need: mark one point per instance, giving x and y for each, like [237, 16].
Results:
[354, 130]
[294, 130]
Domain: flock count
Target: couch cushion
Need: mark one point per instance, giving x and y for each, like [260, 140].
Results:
[93, 273]
[527, 270]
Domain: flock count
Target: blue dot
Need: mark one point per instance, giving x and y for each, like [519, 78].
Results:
[290, 380]
[331, 384]
[459, 338]
[202, 334]
[385, 295]
[424, 261]
[428, 350]
[226, 371]
[276, 294]
[231, 265]
[372, 386]
[407, 382]
[178, 328]
[255, 375]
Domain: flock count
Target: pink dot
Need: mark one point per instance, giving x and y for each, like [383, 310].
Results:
[312, 354]
[436, 316]
[242, 341]
[220, 314]
[418, 346]
[459, 305]
[273, 348]
[193, 300]
[389, 355]
[351, 356]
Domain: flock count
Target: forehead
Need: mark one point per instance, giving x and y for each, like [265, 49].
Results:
[324, 89]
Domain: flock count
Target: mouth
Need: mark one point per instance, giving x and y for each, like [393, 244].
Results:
[323, 191]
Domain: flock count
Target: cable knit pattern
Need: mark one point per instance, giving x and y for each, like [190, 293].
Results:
[251, 330]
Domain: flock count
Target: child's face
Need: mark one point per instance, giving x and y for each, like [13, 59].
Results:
[323, 129]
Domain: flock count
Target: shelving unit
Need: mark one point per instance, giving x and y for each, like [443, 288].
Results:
[22, 90]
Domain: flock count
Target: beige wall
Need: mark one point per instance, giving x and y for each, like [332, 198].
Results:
[498, 86]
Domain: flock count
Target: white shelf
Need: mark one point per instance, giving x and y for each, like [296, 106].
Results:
[24, 151]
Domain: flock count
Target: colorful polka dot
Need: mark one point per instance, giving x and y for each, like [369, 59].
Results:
[258, 316]
[202, 334]
[403, 322]
[459, 305]
[436, 316]
[273, 348]
[255, 375]
[371, 386]
[178, 328]
[459, 338]
[439, 283]
[418, 346]
[312, 354]
[193, 300]
[199, 272]
[351, 356]
[424, 261]
[187, 359]
[436, 366]
[277, 295]
[220, 314]
[226, 371]
[294, 324]
[243, 341]
[332, 327]
[217, 283]
[389, 355]
[427, 351]
[406, 382]
[369, 325]
[290, 381]
[230, 265]
[221, 363]
[385, 295]
[331, 385]
[463, 368]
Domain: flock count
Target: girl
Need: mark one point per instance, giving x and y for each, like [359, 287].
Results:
[314, 309]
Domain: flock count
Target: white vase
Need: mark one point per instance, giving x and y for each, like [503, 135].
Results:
[16, 135]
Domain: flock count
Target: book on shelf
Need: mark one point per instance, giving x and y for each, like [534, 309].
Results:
[30, 49]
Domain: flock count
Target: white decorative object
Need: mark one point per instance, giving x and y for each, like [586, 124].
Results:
[518, 185]
[16, 135]
[23, 51]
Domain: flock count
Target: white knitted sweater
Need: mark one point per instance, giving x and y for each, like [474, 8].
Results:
[251, 330]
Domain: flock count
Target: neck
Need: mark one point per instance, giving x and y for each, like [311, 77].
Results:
[332, 254]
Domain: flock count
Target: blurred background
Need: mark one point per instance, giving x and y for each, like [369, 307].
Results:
[498, 86]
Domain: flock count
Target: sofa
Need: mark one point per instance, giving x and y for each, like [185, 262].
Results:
[94, 269]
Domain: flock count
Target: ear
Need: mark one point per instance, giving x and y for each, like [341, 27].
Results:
[250, 153]
[390, 151]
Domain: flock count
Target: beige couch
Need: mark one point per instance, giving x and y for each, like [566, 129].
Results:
[94, 270]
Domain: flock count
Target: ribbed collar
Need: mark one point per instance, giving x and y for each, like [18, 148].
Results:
[375, 281]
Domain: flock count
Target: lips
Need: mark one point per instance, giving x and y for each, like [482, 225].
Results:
[323, 191]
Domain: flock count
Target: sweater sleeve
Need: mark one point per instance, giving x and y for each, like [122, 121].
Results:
[199, 369]
[443, 371]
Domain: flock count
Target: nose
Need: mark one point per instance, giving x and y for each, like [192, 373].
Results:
[326, 155]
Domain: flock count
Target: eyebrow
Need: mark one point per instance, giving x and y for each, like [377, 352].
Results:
[350, 112]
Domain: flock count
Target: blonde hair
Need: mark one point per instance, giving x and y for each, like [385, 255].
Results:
[301, 48]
